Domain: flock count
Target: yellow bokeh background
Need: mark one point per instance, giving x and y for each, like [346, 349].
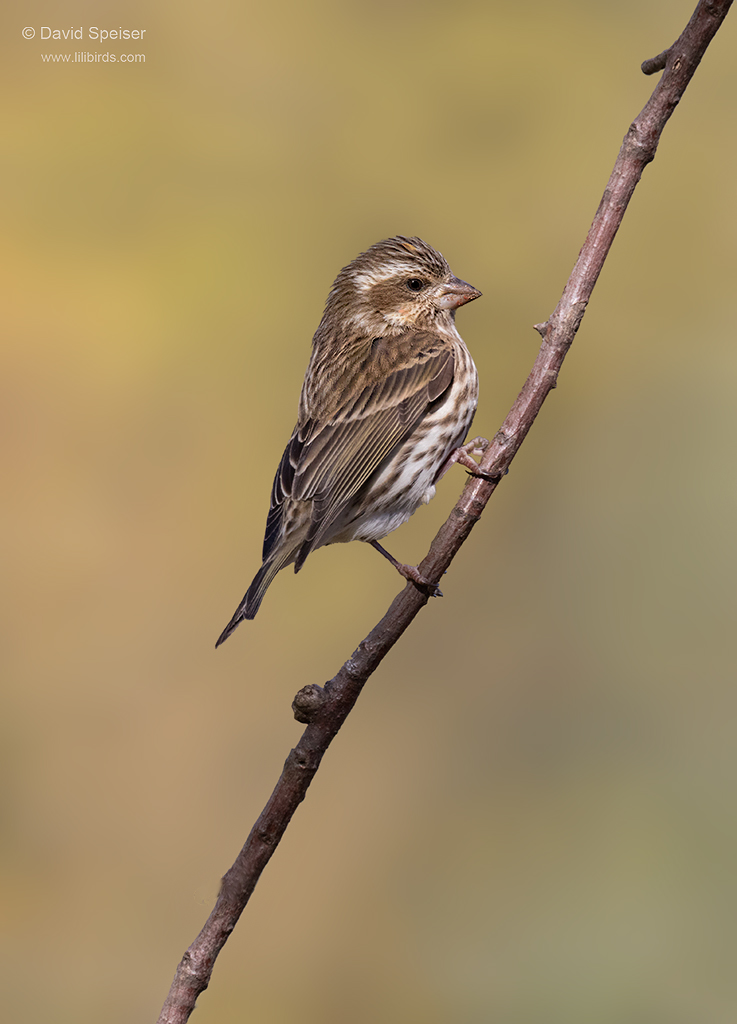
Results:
[530, 816]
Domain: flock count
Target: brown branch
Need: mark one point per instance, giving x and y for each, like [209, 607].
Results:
[325, 709]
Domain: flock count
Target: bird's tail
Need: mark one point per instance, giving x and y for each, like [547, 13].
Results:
[255, 594]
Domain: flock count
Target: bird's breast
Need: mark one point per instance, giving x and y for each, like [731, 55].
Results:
[407, 479]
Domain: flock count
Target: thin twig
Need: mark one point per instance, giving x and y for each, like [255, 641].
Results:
[649, 67]
[326, 708]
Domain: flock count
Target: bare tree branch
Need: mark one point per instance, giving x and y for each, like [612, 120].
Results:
[324, 709]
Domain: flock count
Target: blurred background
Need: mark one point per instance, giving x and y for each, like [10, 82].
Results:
[530, 816]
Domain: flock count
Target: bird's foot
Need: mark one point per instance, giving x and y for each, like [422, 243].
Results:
[463, 456]
[409, 572]
[413, 574]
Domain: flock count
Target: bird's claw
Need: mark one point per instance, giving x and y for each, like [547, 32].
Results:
[477, 446]
[413, 574]
[493, 478]
[463, 456]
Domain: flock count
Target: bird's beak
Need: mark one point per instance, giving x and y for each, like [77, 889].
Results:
[455, 293]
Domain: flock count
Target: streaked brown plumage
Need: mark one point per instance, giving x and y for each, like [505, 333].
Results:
[389, 394]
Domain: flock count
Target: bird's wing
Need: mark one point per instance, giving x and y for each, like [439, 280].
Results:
[328, 459]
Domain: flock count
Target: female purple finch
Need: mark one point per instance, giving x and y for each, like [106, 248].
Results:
[389, 395]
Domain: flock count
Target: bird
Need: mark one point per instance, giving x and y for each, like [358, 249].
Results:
[388, 397]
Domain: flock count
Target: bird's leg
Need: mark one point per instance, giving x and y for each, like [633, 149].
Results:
[463, 455]
[409, 572]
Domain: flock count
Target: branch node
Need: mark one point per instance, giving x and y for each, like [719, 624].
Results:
[308, 702]
[352, 670]
[542, 328]
[654, 64]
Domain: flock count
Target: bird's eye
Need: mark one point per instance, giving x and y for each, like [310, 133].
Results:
[415, 284]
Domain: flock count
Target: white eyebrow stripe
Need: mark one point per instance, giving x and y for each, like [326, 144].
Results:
[366, 279]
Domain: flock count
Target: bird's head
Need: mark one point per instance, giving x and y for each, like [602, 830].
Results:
[397, 285]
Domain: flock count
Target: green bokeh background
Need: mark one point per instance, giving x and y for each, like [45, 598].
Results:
[530, 817]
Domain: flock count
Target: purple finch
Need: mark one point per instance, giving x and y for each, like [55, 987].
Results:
[389, 395]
